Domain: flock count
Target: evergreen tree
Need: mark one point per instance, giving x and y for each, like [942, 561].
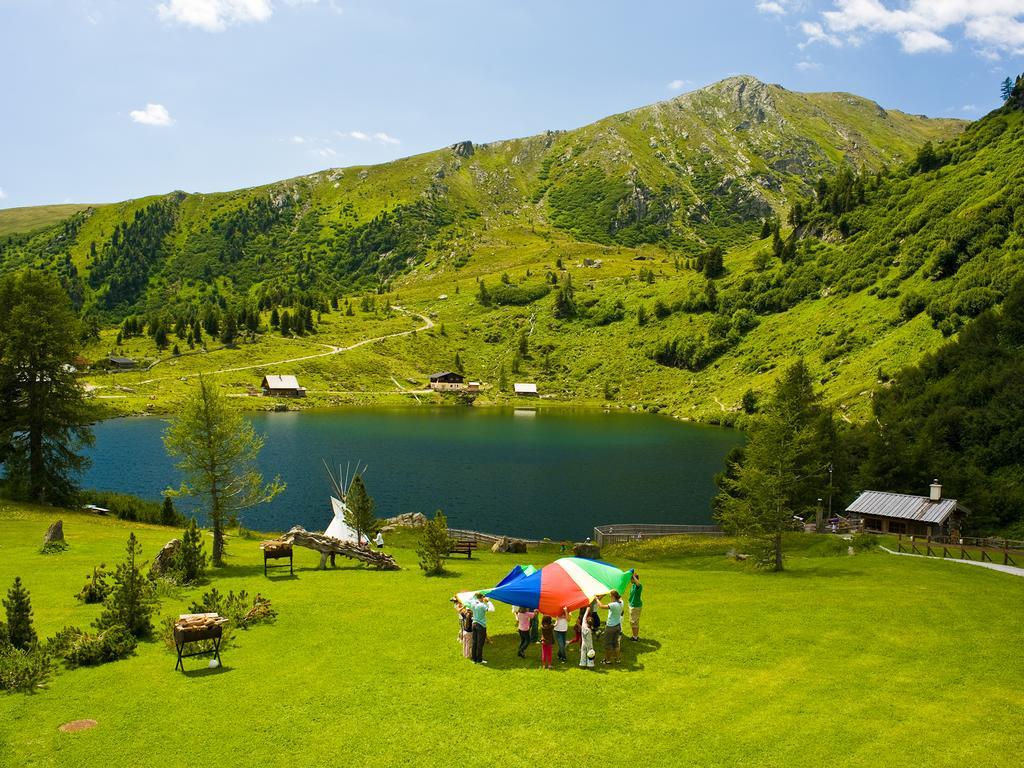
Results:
[641, 315]
[766, 229]
[230, 331]
[43, 419]
[20, 632]
[168, 514]
[483, 295]
[275, 318]
[435, 544]
[216, 448]
[131, 601]
[502, 379]
[516, 362]
[524, 344]
[190, 559]
[458, 363]
[783, 468]
[564, 307]
[359, 509]
[286, 323]
[1006, 89]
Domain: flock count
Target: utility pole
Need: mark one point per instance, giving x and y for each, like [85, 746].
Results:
[830, 490]
[817, 519]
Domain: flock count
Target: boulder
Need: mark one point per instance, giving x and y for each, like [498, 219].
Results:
[589, 551]
[405, 520]
[463, 148]
[164, 560]
[505, 544]
[54, 533]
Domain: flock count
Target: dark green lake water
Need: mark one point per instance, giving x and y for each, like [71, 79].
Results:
[526, 473]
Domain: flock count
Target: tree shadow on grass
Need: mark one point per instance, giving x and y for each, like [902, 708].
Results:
[196, 674]
[500, 653]
[818, 572]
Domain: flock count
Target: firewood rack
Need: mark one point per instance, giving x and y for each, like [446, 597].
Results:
[278, 552]
[184, 636]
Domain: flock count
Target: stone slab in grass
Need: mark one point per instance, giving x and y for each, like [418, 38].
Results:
[78, 725]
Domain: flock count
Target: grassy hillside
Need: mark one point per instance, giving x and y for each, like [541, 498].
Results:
[735, 667]
[15, 220]
[614, 220]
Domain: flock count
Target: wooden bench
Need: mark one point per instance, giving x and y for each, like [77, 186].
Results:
[463, 547]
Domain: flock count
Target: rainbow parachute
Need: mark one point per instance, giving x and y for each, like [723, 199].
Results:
[570, 582]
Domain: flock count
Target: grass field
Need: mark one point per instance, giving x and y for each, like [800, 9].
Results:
[867, 660]
[35, 217]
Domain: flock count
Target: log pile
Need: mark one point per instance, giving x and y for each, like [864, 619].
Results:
[276, 548]
[198, 622]
[328, 546]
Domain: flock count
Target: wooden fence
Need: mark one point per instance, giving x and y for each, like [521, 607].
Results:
[966, 548]
[484, 538]
[610, 534]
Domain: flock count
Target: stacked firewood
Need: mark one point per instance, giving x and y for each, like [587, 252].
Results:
[276, 548]
[198, 622]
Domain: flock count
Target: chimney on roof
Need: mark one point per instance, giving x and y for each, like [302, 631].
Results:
[936, 491]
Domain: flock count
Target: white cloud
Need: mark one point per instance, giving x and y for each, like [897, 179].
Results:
[326, 152]
[678, 85]
[214, 15]
[806, 65]
[297, 140]
[153, 114]
[767, 6]
[817, 34]
[3, 193]
[996, 27]
[380, 137]
[968, 108]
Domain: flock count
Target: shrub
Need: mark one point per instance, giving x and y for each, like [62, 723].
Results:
[23, 670]
[96, 586]
[127, 507]
[190, 559]
[864, 542]
[53, 547]
[235, 608]
[83, 649]
[435, 545]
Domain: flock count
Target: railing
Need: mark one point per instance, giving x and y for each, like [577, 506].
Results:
[963, 548]
[610, 534]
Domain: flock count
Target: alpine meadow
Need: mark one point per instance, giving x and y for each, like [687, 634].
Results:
[688, 436]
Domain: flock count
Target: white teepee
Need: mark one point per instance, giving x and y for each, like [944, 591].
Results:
[338, 528]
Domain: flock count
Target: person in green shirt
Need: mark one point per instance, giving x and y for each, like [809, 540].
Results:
[480, 606]
[636, 604]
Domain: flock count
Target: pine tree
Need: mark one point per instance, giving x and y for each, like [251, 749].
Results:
[359, 509]
[524, 344]
[216, 448]
[783, 465]
[20, 632]
[483, 295]
[502, 379]
[230, 331]
[131, 601]
[286, 323]
[458, 363]
[275, 318]
[435, 544]
[1006, 89]
[168, 514]
[190, 559]
[43, 417]
[641, 315]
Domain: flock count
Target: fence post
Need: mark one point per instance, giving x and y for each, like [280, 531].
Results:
[899, 543]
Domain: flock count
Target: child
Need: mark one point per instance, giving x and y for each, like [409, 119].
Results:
[561, 633]
[547, 641]
[523, 618]
[465, 626]
[587, 641]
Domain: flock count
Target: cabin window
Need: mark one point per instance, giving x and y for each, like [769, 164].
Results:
[872, 524]
[895, 527]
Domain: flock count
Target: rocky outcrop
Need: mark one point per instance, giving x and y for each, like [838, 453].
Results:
[54, 534]
[589, 551]
[463, 148]
[505, 544]
[164, 560]
[405, 520]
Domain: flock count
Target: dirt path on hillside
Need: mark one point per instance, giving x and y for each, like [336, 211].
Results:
[331, 350]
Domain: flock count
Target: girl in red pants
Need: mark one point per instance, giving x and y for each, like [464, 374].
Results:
[547, 642]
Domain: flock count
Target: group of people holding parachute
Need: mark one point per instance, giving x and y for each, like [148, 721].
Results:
[543, 602]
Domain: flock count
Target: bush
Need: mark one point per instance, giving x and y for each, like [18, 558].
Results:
[83, 649]
[435, 545]
[96, 586]
[864, 542]
[53, 547]
[132, 508]
[24, 670]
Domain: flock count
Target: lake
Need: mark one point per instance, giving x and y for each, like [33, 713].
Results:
[521, 472]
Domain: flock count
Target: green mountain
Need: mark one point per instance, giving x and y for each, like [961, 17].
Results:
[668, 258]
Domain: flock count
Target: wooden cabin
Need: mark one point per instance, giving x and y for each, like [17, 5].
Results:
[446, 381]
[282, 386]
[525, 389]
[121, 363]
[904, 513]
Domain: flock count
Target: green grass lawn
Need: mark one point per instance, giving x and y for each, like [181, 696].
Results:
[868, 660]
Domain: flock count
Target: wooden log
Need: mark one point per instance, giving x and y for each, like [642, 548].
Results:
[329, 546]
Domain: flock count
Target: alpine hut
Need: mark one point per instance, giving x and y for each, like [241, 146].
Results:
[282, 386]
[929, 515]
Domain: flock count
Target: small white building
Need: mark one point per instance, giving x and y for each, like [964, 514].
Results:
[525, 389]
[282, 386]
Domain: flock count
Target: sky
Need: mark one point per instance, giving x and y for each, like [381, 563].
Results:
[108, 100]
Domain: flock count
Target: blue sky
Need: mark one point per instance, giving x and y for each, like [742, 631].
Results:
[109, 99]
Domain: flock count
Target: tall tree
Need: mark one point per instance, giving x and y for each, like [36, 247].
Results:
[784, 466]
[216, 449]
[435, 544]
[1006, 89]
[20, 632]
[43, 419]
[359, 509]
